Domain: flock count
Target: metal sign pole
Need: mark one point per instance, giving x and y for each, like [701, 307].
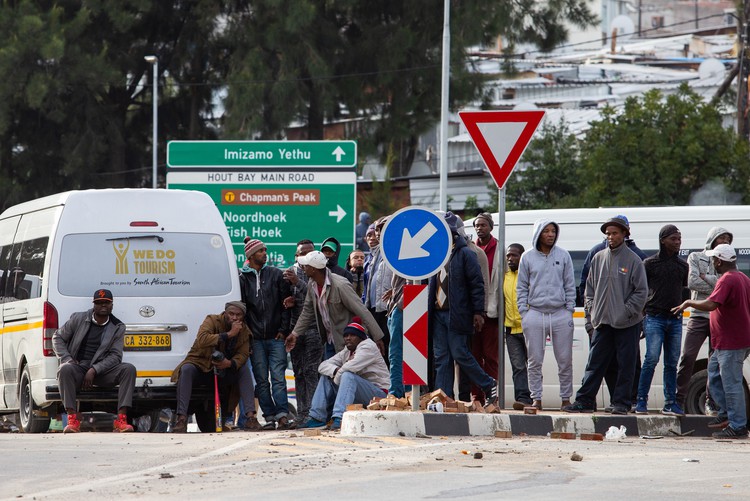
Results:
[501, 298]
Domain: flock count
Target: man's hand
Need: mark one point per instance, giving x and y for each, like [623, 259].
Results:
[288, 302]
[381, 346]
[88, 379]
[290, 342]
[677, 310]
[478, 322]
[224, 364]
[236, 328]
[290, 276]
[387, 295]
[280, 336]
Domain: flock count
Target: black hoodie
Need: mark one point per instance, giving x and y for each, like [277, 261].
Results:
[333, 261]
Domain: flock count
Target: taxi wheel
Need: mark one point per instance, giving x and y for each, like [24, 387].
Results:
[27, 409]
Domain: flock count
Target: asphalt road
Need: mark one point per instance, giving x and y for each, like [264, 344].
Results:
[289, 465]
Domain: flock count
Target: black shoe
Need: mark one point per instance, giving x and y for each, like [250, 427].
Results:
[719, 422]
[579, 407]
[619, 410]
[490, 396]
[730, 432]
[608, 409]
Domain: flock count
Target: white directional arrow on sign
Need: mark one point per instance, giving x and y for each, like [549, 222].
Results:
[411, 246]
[338, 153]
[339, 213]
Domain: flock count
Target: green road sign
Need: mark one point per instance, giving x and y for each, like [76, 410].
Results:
[281, 154]
[279, 208]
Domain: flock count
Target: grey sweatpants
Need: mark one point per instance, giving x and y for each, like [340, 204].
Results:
[559, 327]
[70, 377]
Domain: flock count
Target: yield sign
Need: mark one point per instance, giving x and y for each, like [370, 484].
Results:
[501, 138]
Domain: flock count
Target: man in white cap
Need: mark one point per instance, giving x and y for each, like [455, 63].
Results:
[730, 338]
[330, 304]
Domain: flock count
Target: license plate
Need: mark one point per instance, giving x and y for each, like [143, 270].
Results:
[148, 342]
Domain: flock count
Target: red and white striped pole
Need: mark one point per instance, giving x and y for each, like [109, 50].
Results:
[415, 339]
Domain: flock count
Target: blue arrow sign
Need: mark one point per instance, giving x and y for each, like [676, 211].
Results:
[416, 242]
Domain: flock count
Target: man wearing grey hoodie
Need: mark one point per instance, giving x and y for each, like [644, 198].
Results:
[546, 300]
[702, 279]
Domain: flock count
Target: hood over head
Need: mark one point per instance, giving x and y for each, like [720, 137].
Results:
[336, 247]
[713, 233]
[539, 225]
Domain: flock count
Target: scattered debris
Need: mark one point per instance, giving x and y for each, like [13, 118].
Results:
[563, 435]
[614, 433]
[576, 457]
[503, 434]
[312, 433]
[166, 475]
[690, 460]
[478, 455]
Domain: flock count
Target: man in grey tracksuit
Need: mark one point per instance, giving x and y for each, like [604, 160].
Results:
[702, 278]
[546, 300]
[616, 292]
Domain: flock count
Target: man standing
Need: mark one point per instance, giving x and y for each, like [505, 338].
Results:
[331, 248]
[330, 304]
[485, 344]
[616, 292]
[361, 231]
[730, 337]
[702, 279]
[456, 310]
[89, 347]
[378, 283]
[228, 334]
[308, 352]
[666, 275]
[546, 300]
[263, 291]
[354, 375]
[514, 339]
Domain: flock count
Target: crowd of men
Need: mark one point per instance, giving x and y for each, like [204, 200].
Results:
[343, 328]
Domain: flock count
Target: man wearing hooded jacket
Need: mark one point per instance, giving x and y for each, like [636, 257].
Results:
[546, 300]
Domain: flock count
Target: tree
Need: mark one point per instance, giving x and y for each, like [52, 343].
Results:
[321, 60]
[75, 108]
[657, 151]
[549, 178]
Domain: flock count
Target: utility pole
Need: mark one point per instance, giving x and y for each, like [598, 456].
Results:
[743, 108]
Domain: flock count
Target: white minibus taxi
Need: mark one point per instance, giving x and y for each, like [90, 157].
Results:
[580, 230]
[165, 255]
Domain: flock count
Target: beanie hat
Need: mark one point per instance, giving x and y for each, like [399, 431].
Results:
[252, 246]
[667, 230]
[487, 217]
[452, 221]
[355, 328]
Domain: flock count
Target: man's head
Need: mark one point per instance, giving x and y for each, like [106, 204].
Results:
[616, 230]
[234, 311]
[513, 256]
[379, 224]
[103, 302]
[356, 259]
[354, 333]
[330, 249]
[619, 221]
[483, 225]
[547, 237]
[723, 238]
[724, 257]
[364, 218]
[670, 239]
[255, 252]
[313, 262]
[303, 248]
[372, 237]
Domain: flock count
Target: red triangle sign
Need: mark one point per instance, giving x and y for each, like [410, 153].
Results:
[501, 138]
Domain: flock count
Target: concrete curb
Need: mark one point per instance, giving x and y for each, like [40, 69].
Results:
[410, 424]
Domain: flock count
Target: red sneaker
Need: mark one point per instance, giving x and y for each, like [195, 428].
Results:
[74, 424]
[121, 424]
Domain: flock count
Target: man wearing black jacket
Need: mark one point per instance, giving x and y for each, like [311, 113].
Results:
[263, 291]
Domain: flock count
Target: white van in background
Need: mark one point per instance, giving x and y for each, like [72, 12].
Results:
[580, 230]
[165, 255]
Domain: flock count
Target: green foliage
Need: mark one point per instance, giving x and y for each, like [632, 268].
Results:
[549, 177]
[657, 151]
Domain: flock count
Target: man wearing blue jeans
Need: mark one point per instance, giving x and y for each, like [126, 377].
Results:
[666, 274]
[730, 338]
[396, 329]
[354, 375]
[263, 291]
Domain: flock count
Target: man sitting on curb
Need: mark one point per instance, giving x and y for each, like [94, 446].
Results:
[229, 334]
[89, 347]
[354, 375]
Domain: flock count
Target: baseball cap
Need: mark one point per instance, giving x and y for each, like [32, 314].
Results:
[725, 252]
[316, 259]
[103, 295]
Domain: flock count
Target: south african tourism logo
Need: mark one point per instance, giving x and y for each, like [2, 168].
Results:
[159, 261]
